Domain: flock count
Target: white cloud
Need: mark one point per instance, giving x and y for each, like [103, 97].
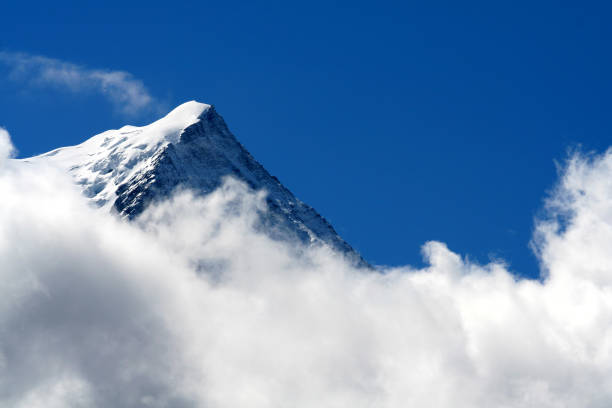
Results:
[6, 147]
[191, 307]
[126, 93]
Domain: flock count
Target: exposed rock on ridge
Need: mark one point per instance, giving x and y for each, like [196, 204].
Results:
[127, 169]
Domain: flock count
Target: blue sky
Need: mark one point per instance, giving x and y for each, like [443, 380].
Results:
[399, 122]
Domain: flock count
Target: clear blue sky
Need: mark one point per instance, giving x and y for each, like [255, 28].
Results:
[400, 122]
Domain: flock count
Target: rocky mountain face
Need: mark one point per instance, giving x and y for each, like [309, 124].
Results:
[125, 170]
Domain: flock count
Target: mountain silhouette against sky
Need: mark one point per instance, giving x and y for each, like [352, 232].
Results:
[125, 170]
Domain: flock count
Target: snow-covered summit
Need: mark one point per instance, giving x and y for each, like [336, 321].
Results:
[102, 163]
[126, 169]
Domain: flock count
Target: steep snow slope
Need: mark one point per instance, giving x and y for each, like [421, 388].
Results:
[125, 170]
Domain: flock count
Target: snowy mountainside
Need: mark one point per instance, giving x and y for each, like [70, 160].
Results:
[124, 170]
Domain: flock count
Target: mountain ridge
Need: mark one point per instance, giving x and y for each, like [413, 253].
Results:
[126, 169]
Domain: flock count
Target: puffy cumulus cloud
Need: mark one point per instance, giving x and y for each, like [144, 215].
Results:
[126, 93]
[190, 306]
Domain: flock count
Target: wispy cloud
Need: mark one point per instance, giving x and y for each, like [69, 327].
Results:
[128, 94]
[6, 147]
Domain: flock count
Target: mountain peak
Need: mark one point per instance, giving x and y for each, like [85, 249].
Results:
[185, 114]
[170, 126]
[126, 169]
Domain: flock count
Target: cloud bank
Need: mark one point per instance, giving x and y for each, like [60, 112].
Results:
[126, 93]
[191, 307]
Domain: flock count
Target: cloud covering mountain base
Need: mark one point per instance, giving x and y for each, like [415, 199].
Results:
[190, 306]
